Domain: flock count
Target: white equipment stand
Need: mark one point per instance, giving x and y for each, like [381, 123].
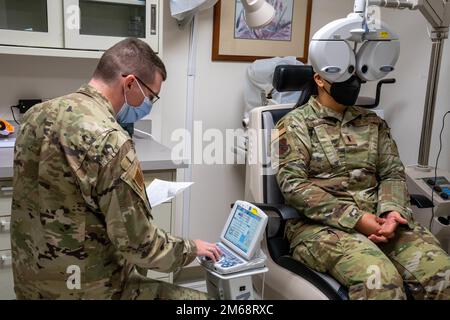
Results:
[235, 286]
[421, 181]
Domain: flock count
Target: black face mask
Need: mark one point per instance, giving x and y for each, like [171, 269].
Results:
[347, 92]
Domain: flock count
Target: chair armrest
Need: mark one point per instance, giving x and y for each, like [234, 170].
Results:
[285, 212]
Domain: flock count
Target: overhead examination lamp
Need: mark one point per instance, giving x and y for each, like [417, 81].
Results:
[258, 13]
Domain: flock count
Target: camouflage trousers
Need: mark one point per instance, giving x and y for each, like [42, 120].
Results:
[413, 258]
[142, 288]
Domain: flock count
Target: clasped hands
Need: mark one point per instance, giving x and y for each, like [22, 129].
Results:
[380, 229]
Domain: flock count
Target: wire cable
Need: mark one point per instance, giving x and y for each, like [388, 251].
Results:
[14, 116]
[436, 166]
[263, 284]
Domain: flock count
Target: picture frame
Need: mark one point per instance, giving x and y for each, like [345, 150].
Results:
[287, 35]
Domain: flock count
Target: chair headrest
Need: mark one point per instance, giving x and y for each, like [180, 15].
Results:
[289, 78]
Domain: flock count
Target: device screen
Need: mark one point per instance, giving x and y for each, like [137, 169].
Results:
[242, 228]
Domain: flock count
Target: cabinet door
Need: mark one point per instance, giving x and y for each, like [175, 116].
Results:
[5, 197]
[5, 236]
[33, 23]
[6, 276]
[103, 23]
[5, 213]
[162, 215]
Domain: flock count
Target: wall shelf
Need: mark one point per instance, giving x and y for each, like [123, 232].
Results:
[50, 52]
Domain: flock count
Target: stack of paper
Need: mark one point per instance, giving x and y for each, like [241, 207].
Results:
[160, 191]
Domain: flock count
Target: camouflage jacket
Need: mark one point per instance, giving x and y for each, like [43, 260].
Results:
[79, 203]
[335, 167]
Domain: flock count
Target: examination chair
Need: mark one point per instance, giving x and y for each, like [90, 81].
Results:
[287, 278]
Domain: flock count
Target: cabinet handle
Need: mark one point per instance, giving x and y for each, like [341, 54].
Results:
[6, 189]
[4, 258]
[153, 19]
[5, 225]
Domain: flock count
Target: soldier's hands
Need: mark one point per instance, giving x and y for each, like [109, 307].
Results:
[378, 239]
[392, 221]
[206, 249]
[370, 225]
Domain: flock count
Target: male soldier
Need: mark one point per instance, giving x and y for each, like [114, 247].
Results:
[340, 168]
[80, 209]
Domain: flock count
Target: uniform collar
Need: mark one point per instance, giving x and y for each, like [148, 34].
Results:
[350, 114]
[323, 111]
[90, 91]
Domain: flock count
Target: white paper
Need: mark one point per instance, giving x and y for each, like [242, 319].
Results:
[160, 191]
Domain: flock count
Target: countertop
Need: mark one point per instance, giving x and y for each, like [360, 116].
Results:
[152, 155]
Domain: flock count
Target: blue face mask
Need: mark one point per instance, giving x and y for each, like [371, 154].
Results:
[129, 114]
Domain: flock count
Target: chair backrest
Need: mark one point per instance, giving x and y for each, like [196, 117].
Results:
[261, 184]
[271, 190]
[286, 78]
[261, 181]
[277, 245]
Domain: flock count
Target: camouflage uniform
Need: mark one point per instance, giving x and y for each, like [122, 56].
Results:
[79, 200]
[335, 167]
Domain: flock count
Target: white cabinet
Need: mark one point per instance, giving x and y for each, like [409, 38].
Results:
[5, 227]
[163, 216]
[163, 219]
[35, 23]
[6, 191]
[6, 275]
[77, 28]
[99, 24]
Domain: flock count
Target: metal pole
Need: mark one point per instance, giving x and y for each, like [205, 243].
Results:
[438, 37]
[360, 6]
[396, 4]
[189, 123]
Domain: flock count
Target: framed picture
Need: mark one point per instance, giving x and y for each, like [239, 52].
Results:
[287, 35]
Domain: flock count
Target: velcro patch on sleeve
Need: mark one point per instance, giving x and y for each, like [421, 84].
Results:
[276, 134]
[139, 178]
[284, 147]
